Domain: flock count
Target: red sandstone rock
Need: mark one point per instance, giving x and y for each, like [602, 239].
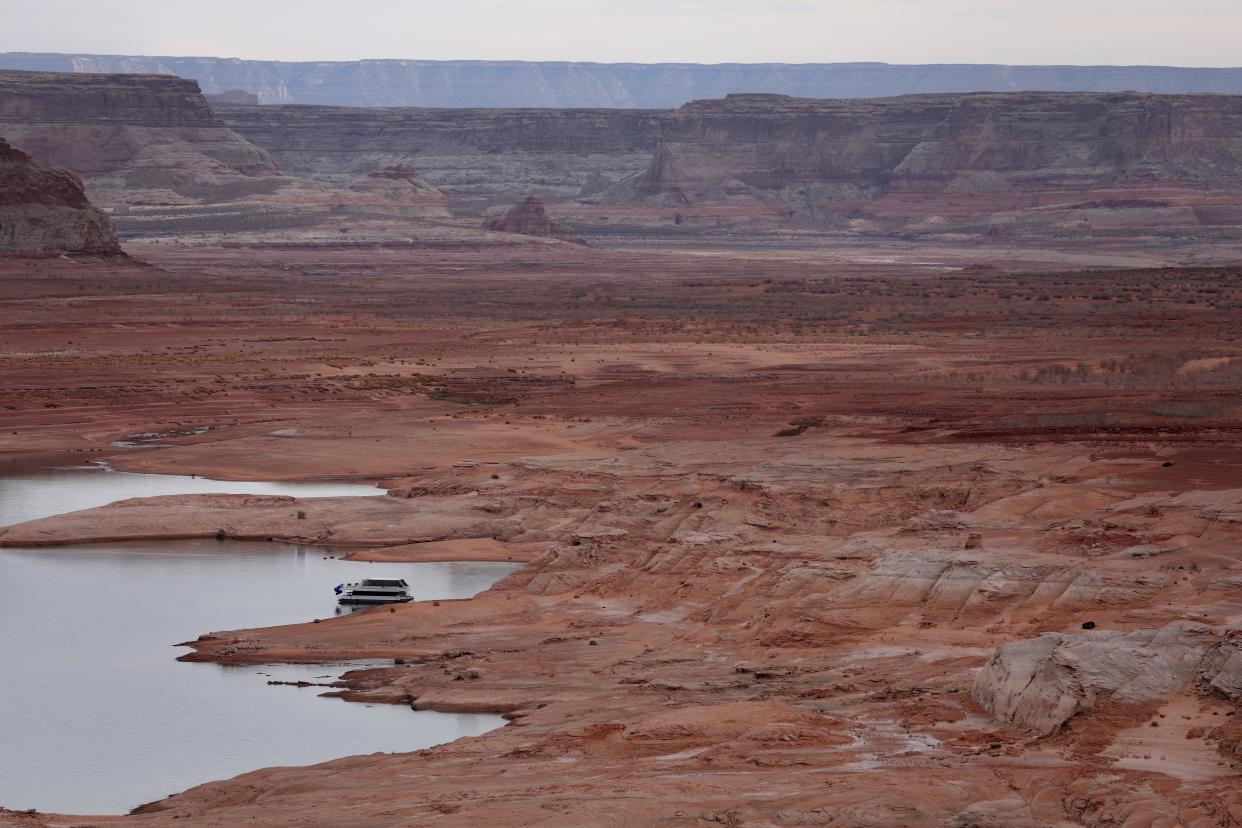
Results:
[153, 143]
[46, 210]
[401, 190]
[528, 218]
[1003, 166]
[1043, 163]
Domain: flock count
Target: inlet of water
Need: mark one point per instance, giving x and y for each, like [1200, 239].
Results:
[53, 491]
[97, 716]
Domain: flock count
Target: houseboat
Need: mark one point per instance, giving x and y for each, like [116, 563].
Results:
[374, 591]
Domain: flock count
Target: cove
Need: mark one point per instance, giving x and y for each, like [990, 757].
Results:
[98, 717]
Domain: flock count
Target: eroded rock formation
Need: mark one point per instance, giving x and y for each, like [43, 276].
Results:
[1040, 683]
[152, 148]
[982, 163]
[997, 166]
[529, 218]
[134, 138]
[964, 145]
[479, 158]
[47, 211]
[400, 190]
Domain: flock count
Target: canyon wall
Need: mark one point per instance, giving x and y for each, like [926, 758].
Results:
[563, 84]
[151, 150]
[1066, 162]
[1080, 165]
[133, 137]
[46, 210]
[477, 157]
[937, 142]
[1023, 165]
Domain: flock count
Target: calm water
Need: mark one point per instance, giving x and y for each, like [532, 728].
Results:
[97, 716]
[56, 491]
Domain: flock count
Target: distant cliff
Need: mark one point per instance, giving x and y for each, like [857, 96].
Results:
[614, 85]
[1044, 162]
[132, 136]
[151, 148]
[961, 143]
[1060, 163]
[478, 157]
[46, 210]
[1021, 164]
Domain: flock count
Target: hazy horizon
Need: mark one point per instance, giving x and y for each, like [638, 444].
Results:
[1195, 33]
[205, 56]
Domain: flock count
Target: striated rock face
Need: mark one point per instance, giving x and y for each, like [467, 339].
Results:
[151, 148]
[980, 163]
[46, 210]
[934, 144]
[134, 138]
[564, 84]
[479, 158]
[528, 218]
[1041, 683]
[988, 165]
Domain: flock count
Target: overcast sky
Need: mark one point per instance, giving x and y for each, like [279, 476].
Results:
[1174, 32]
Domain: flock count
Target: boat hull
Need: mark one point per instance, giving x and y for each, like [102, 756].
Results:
[374, 599]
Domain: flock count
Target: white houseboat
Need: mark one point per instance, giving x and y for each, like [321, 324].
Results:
[374, 591]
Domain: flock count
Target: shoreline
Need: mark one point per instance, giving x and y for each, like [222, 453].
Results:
[12, 465]
[274, 514]
[344, 688]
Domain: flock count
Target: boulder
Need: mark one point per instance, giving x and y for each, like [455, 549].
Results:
[1041, 683]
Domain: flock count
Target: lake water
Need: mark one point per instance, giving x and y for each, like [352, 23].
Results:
[97, 716]
[58, 490]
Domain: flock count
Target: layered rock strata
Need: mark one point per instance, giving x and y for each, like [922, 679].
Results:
[479, 158]
[46, 210]
[151, 148]
[997, 166]
[1049, 163]
[401, 190]
[997, 143]
[134, 138]
[529, 218]
[988, 165]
